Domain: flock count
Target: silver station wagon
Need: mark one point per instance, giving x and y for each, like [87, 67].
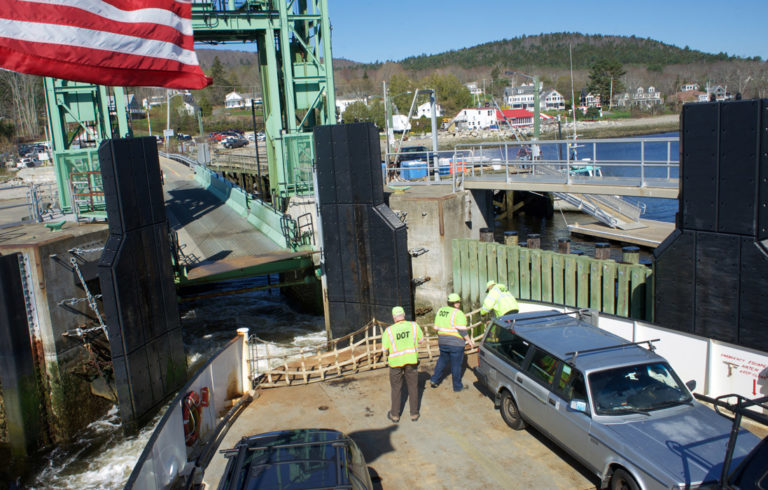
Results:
[616, 406]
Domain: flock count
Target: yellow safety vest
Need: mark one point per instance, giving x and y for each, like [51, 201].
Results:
[401, 340]
[447, 319]
[499, 300]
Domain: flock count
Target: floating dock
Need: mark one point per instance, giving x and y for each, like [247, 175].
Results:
[651, 235]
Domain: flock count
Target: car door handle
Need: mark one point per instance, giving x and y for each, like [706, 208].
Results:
[519, 379]
[552, 402]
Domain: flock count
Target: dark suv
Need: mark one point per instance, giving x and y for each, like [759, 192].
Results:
[617, 407]
[292, 459]
[410, 153]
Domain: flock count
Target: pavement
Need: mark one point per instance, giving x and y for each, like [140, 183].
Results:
[460, 440]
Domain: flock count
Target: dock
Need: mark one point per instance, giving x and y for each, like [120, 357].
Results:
[460, 440]
[650, 235]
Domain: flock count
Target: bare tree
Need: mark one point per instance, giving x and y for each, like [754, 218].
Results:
[24, 91]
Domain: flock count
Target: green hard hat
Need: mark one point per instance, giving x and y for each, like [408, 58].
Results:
[489, 284]
[454, 298]
[398, 310]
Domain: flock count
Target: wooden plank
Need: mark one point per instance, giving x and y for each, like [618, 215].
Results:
[582, 282]
[474, 292]
[492, 263]
[637, 292]
[546, 276]
[456, 265]
[536, 274]
[466, 287]
[570, 280]
[609, 287]
[525, 273]
[558, 266]
[595, 284]
[482, 270]
[650, 312]
[513, 270]
[622, 301]
[501, 264]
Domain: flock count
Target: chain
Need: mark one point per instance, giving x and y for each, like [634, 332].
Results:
[81, 251]
[90, 298]
[74, 301]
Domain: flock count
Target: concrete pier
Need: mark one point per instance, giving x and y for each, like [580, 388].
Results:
[67, 390]
[435, 216]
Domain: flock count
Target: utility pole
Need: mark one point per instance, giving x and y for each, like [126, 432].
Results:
[536, 108]
[387, 121]
[610, 97]
[433, 106]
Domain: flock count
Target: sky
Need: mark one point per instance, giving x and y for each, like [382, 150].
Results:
[369, 31]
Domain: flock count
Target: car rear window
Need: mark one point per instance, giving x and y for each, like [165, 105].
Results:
[506, 344]
[542, 367]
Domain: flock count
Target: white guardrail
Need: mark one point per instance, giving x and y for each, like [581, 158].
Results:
[719, 368]
[167, 454]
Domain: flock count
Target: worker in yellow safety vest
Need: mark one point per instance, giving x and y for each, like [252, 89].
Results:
[401, 341]
[499, 300]
[452, 336]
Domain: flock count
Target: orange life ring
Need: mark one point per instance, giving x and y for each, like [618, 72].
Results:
[190, 412]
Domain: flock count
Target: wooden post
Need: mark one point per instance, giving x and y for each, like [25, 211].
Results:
[534, 240]
[630, 254]
[510, 238]
[602, 251]
[486, 235]
[564, 245]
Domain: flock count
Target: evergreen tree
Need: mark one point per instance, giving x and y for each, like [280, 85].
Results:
[605, 77]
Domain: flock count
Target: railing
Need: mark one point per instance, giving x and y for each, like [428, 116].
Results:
[540, 275]
[282, 365]
[635, 162]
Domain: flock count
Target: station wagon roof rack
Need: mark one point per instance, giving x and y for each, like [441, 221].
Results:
[548, 315]
[574, 354]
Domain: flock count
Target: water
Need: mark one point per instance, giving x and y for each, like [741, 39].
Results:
[103, 458]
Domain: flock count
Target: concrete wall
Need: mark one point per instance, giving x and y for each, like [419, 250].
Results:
[435, 216]
[67, 397]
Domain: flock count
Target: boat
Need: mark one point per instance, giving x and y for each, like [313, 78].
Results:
[459, 441]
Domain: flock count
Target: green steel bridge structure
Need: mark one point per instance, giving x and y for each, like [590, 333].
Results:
[293, 44]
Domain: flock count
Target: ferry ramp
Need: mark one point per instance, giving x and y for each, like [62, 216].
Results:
[214, 241]
[460, 440]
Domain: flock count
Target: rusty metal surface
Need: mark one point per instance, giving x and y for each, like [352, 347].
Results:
[460, 441]
[232, 264]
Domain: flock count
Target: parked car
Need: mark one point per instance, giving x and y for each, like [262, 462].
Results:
[615, 406]
[233, 142]
[410, 153]
[302, 458]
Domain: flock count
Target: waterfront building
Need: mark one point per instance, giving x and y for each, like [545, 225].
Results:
[641, 98]
[342, 104]
[472, 119]
[515, 117]
[233, 100]
[425, 110]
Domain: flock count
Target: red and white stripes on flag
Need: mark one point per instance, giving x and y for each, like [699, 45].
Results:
[105, 42]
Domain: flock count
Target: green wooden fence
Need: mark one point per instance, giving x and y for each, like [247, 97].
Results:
[550, 277]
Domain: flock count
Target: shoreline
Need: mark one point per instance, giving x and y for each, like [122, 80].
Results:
[615, 128]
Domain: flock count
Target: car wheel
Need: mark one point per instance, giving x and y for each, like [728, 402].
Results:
[622, 480]
[510, 413]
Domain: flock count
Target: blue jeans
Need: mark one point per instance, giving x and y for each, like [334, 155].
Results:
[453, 355]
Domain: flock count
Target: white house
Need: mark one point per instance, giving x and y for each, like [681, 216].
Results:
[689, 87]
[425, 110]
[233, 100]
[552, 101]
[514, 117]
[519, 97]
[475, 119]
[188, 108]
[588, 99]
[342, 104]
[473, 89]
[640, 98]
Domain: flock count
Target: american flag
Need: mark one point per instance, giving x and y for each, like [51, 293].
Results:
[105, 42]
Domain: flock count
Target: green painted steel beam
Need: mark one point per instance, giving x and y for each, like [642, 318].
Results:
[287, 265]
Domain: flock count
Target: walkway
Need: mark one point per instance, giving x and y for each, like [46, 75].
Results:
[475, 450]
[216, 241]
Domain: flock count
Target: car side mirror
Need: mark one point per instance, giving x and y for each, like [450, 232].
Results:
[691, 384]
[578, 405]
